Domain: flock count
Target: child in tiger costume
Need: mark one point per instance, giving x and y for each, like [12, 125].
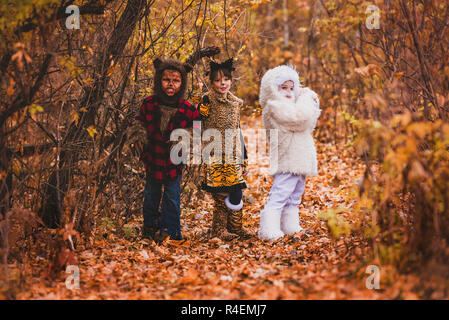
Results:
[224, 171]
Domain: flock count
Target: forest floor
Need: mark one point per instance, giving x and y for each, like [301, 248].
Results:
[309, 265]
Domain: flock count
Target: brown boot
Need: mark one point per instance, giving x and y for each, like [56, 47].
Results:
[219, 220]
[235, 224]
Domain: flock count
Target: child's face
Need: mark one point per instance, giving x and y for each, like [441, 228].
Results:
[287, 89]
[171, 82]
[221, 83]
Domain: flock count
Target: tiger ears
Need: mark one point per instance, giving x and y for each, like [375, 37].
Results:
[187, 67]
[157, 63]
[228, 65]
[229, 62]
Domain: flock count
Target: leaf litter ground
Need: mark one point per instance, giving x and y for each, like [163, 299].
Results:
[308, 265]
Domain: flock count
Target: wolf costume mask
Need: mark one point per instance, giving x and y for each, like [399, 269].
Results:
[160, 65]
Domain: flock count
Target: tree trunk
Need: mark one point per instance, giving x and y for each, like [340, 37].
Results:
[59, 179]
[5, 177]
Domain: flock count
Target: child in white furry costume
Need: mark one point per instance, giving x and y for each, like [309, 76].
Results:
[292, 110]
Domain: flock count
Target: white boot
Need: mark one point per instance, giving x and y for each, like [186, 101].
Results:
[270, 225]
[290, 220]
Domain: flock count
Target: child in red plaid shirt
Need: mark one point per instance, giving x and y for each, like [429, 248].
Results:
[159, 115]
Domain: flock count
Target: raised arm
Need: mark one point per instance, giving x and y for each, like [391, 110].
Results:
[283, 113]
[308, 105]
[183, 118]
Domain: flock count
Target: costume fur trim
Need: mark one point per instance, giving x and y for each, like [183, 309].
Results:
[233, 207]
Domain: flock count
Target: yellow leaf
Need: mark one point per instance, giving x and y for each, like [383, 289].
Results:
[32, 109]
[92, 131]
[75, 117]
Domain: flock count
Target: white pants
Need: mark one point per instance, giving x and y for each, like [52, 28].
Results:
[281, 215]
[286, 191]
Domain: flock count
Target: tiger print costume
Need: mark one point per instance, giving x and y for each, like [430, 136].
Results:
[221, 113]
[223, 177]
[220, 219]
[224, 174]
[227, 224]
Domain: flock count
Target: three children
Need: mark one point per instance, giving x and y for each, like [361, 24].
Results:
[287, 107]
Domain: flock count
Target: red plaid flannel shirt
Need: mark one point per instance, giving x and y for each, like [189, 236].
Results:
[156, 155]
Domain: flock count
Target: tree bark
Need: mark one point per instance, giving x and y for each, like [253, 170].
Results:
[50, 211]
[5, 177]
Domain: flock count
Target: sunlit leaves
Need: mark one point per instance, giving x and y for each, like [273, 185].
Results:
[337, 224]
[12, 13]
[69, 64]
[32, 109]
[92, 131]
[323, 262]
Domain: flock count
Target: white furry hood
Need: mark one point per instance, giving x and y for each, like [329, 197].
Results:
[273, 78]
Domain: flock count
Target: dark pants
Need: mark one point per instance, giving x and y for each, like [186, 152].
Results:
[171, 200]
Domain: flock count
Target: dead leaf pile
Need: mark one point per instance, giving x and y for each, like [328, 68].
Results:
[310, 265]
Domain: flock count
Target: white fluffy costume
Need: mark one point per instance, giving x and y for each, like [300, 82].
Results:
[294, 119]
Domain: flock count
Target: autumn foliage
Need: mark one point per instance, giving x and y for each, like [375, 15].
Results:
[71, 186]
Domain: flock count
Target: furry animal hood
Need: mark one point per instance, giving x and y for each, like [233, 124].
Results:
[273, 78]
[160, 65]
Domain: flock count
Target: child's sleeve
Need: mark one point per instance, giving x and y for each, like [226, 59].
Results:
[285, 114]
[299, 116]
[182, 119]
[140, 115]
[242, 141]
[308, 105]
